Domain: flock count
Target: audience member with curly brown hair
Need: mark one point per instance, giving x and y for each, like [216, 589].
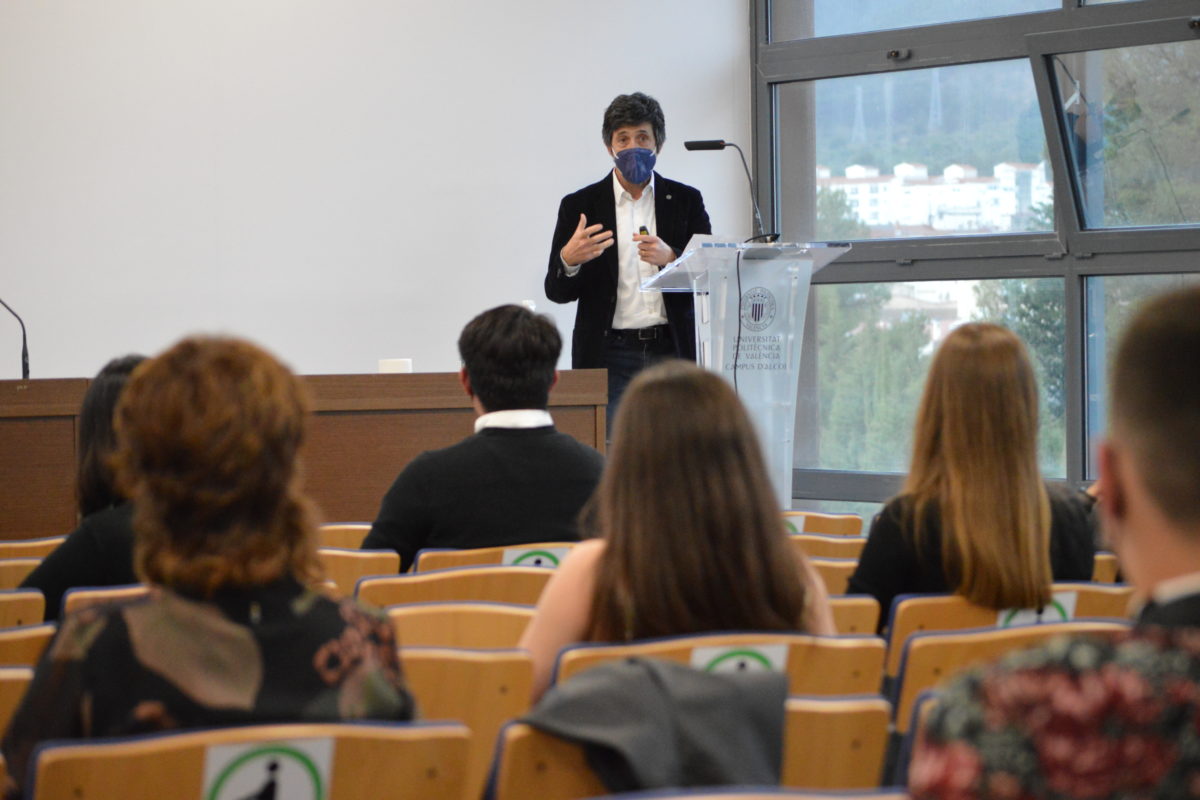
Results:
[232, 633]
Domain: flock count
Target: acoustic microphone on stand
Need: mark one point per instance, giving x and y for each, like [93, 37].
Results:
[721, 144]
[24, 343]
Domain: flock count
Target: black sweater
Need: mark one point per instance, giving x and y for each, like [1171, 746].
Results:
[501, 486]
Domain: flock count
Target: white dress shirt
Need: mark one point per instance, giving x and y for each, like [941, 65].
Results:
[635, 308]
[514, 418]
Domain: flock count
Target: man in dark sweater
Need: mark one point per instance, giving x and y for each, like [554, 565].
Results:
[517, 480]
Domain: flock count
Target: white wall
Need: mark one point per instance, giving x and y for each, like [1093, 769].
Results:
[340, 180]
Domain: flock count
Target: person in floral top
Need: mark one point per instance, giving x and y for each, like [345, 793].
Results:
[1116, 717]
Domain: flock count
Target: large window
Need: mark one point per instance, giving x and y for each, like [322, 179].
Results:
[1028, 162]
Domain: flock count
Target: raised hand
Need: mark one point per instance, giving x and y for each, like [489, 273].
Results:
[587, 242]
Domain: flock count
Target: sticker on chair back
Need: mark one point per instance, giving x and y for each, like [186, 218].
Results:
[1061, 608]
[295, 769]
[534, 556]
[791, 526]
[741, 658]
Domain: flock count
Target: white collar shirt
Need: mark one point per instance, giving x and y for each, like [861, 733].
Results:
[514, 418]
[1176, 588]
[635, 308]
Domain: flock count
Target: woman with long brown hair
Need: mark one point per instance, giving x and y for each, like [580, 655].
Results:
[208, 436]
[689, 535]
[975, 516]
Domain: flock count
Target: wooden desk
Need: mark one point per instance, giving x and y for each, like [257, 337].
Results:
[366, 428]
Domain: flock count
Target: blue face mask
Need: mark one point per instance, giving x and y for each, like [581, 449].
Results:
[636, 164]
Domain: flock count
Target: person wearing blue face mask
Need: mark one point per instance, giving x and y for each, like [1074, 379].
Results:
[616, 233]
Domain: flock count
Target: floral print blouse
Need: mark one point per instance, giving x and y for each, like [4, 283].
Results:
[276, 653]
[1097, 718]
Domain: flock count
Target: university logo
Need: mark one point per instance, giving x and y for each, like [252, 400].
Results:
[758, 309]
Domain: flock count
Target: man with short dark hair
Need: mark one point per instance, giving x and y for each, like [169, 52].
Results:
[517, 480]
[649, 219]
[1109, 717]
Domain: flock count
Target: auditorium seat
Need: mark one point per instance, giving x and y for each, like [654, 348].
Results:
[482, 690]
[1105, 567]
[406, 761]
[85, 596]
[349, 535]
[15, 570]
[835, 572]
[928, 659]
[815, 665]
[23, 646]
[829, 743]
[521, 585]
[537, 554]
[946, 612]
[30, 548]
[21, 607]
[346, 567]
[855, 613]
[829, 524]
[462, 625]
[822, 545]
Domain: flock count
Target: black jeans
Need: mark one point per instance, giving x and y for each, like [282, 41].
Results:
[625, 355]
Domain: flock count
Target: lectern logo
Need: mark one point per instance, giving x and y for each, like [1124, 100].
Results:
[758, 309]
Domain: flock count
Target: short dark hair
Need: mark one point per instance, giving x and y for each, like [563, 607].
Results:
[510, 354]
[634, 109]
[1155, 406]
[95, 488]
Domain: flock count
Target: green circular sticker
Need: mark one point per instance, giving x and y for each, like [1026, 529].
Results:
[283, 751]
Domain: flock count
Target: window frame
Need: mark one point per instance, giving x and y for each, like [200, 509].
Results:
[1070, 252]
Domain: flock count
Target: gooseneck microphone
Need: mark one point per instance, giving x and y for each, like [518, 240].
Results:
[24, 343]
[721, 144]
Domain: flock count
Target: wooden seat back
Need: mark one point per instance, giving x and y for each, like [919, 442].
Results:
[15, 570]
[346, 567]
[21, 607]
[347, 535]
[815, 665]
[402, 760]
[930, 658]
[520, 585]
[821, 545]
[922, 613]
[855, 613]
[30, 548]
[23, 646]
[835, 572]
[462, 625]
[829, 524]
[827, 744]
[87, 596]
[535, 554]
[482, 690]
[1105, 567]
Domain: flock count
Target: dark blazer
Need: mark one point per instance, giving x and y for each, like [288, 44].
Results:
[679, 213]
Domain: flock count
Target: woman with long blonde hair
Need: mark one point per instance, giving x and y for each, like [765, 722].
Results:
[689, 534]
[975, 516]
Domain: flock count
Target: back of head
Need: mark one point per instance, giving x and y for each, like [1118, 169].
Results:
[208, 436]
[632, 110]
[974, 466]
[1155, 410]
[695, 540]
[510, 354]
[94, 486]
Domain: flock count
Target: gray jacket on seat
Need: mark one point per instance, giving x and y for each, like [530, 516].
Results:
[648, 724]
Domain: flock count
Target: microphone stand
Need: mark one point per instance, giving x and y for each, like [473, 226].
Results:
[24, 342]
[721, 144]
